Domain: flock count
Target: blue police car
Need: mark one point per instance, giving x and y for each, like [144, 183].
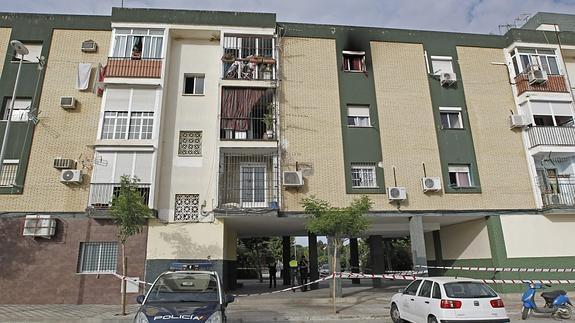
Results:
[184, 296]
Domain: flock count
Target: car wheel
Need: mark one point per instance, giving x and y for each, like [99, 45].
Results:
[394, 312]
[524, 313]
[432, 320]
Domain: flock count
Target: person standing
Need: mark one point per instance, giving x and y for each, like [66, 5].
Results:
[303, 272]
[293, 272]
[272, 272]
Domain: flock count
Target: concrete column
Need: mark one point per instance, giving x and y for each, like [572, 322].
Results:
[313, 266]
[354, 259]
[418, 254]
[338, 291]
[286, 257]
[376, 257]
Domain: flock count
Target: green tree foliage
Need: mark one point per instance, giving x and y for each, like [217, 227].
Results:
[128, 209]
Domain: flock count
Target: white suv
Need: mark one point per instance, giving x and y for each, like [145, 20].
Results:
[447, 300]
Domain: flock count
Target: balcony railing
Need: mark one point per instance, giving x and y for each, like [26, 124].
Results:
[554, 83]
[101, 195]
[249, 57]
[558, 193]
[128, 67]
[559, 136]
[247, 114]
[247, 129]
[248, 181]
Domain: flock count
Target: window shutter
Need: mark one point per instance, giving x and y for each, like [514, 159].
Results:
[117, 99]
[561, 108]
[355, 111]
[124, 163]
[540, 108]
[144, 167]
[144, 100]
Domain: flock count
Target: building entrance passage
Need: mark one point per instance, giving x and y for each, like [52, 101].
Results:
[253, 185]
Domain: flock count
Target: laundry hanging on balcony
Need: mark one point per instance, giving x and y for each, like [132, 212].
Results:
[237, 106]
[83, 77]
[98, 87]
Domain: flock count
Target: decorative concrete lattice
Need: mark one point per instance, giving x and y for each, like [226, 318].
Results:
[190, 143]
[187, 207]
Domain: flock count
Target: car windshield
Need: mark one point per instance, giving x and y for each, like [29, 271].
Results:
[468, 290]
[185, 287]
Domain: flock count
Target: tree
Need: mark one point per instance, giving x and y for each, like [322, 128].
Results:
[130, 213]
[337, 222]
[255, 250]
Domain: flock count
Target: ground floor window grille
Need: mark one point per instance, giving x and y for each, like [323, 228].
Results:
[363, 175]
[98, 257]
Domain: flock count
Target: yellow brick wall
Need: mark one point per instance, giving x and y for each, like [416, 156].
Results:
[62, 133]
[4, 43]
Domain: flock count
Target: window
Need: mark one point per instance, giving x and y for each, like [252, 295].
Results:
[9, 172]
[468, 290]
[523, 58]
[187, 207]
[21, 109]
[190, 144]
[138, 43]
[459, 176]
[412, 288]
[141, 125]
[353, 61]
[98, 257]
[451, 118]
[358, 116]
[425, 290]
[33, 56]
[115, 125]
[552, 113]
[363, 175]
[441, 64]
[194, 84]
[436, 291]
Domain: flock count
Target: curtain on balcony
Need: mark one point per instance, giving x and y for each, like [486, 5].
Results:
[237, 105]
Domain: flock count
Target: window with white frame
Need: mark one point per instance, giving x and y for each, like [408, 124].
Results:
[552, 113]
[354, 61]
[98, 257]
[129, 113]
[33, 56]
[21, 109]
[363, 175]
[459, 176]
[524, 58]
[450, 118]
[138, 43]
[194, 84]
[358, 116]
[9, 172]
[441, 64]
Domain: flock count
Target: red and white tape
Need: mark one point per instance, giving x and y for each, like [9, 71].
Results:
[286, 289]
[503, 269]
[134, 280]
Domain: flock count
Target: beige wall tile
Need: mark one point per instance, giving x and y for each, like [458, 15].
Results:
[4, 43]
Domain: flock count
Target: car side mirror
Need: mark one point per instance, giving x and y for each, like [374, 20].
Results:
[230, 299]
[401, 290]
[140, 299]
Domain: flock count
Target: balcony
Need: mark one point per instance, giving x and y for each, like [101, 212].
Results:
[248, 181]
[134, 68]
[248, 57]
[101, 195]
[247, 114]
[558, 136]
[558, 192]
[555, 83]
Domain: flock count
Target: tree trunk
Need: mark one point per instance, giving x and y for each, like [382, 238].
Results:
[334, 262]
[124, 280]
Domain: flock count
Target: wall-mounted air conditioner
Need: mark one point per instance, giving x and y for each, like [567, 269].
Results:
[518, 121]
[396, 193]
[39, 226]
[64, 163]
[537, 75]
[447, 78]
[431, 184]
[292, 179]
[67, 102]
[89, 46]
[71, 176]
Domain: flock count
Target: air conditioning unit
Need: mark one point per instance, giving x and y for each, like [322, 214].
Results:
[89, 46]
[64, 163]
[39, 226]
[71, 176]
[518, 121]
[537, 75]
[431, 184]
[292, 178]
[396, 193]
[447, 78]
[67, 102]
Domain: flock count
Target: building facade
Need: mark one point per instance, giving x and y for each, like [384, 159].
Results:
[464, 142]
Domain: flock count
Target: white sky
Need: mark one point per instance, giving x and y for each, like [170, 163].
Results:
[478, 16]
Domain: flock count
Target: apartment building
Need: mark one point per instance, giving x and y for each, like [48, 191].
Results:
[462, 141]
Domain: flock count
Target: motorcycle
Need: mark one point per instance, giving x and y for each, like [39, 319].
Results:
[556, 302]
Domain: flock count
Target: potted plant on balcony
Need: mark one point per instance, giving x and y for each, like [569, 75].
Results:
[269, 121]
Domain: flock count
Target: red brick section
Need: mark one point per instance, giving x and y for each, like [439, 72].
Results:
[43, 271]
[127, 67]
[555, 83]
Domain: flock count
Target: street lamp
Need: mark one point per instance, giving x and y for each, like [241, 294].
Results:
[20, 50]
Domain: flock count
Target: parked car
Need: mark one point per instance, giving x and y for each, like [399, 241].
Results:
[184, 296]
[447, 300]
[324, 270]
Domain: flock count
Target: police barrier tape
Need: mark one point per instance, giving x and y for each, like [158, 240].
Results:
[503, 269]
[135, 280]
[286, 289]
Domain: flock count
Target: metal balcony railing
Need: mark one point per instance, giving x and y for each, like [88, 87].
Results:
[248, 181]
[558, 192]
[129, 67]
[249, 57]
[247, 114]
[247, 129]
[101, 195]
[555, 83]
[560, 136]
